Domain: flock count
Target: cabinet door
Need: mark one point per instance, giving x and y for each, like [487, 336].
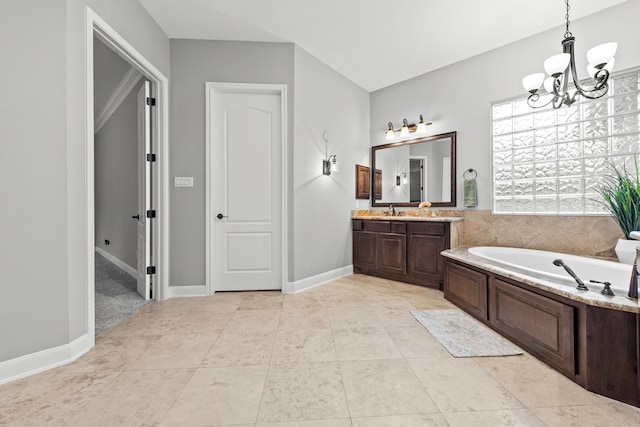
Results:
[364, 249]
[425, 261]
[392, 253]
[467, 289]
[541, 325]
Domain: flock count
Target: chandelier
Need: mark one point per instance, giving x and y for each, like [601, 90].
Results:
[562, 67]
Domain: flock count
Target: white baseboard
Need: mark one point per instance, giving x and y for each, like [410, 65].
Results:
[318, 279]
[187, 291]
[40, 361]
[121, 264]
[291, 287]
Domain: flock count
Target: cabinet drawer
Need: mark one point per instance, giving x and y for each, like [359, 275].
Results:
[433, 228]
[379, 226]
[399, 227]
[356, 224]
[541, 325]
[467, 289]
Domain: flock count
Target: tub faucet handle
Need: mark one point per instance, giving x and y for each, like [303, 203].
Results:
[607, 288]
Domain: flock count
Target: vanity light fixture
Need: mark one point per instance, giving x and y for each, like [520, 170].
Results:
[562, 69]
[397, 180]
[404, 178]
[406, 129]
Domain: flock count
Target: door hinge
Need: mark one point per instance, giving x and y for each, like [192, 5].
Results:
[151, 101]
[151, 213]
[151, 269]
[151, 157]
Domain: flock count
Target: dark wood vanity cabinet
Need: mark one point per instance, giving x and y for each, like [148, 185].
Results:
[400, 250]
[596, 347]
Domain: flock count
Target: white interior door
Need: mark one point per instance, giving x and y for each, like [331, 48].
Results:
[245, 189]
[144, 191]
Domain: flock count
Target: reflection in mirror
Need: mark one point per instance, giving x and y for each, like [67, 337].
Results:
[410, 172]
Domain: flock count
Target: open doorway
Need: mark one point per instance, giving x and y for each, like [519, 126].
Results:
[122, 187]
[156, 161]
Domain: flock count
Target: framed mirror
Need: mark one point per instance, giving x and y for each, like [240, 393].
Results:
[414, 171]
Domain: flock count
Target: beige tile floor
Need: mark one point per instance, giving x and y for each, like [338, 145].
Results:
[344, 354]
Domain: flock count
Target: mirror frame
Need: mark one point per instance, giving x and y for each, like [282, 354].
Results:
[451, 136]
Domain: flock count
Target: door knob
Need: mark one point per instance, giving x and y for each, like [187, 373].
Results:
[136, 217]
[220, 216]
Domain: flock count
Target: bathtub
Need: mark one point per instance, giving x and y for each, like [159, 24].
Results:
[540, 264]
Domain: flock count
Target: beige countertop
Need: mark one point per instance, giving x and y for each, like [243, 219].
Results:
[592, 297]
[409, 218]
[433, 215]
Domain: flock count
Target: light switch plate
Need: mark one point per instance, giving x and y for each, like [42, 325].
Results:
[183, 181]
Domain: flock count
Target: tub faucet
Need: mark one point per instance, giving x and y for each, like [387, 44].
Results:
[633, 283]
[581, 286]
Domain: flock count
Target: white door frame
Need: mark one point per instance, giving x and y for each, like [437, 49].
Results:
[210, 93]
[96, 26]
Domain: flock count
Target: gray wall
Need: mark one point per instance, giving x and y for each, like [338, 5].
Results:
[108, 70]
[325, 101]
[194, 62]
[459, 97]
[33, 221]
[116, 181]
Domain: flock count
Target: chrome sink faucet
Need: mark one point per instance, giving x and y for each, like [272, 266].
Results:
[393, 210]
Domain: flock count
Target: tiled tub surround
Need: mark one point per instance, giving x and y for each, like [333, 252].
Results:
[588, 337]
[577, 235]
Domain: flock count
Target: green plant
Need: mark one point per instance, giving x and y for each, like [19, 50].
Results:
[621, 197]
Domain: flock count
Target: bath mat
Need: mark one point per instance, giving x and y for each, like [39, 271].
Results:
[462, 335]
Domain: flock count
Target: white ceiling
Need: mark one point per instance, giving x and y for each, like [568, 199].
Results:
[374, 43]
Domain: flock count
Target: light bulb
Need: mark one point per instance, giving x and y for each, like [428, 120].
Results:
[422, 127]
[532, 82]
[405, 128]
[390, 133]
[548, 84]
[334, 165]
[555, 65]
[602, 53]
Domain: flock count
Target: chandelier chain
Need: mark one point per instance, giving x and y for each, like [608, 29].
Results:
[567, 33]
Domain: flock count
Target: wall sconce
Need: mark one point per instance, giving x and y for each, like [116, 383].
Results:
[407, 128]
[402, 178]
[330, 165]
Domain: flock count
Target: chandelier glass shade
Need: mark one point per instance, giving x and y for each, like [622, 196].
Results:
[562, 85]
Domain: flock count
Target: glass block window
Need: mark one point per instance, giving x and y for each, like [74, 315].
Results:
[549, 162]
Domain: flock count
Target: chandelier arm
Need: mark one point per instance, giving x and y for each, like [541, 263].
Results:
[596, 93]
[534, 97]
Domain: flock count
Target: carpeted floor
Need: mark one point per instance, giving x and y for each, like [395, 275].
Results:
[116, 295]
